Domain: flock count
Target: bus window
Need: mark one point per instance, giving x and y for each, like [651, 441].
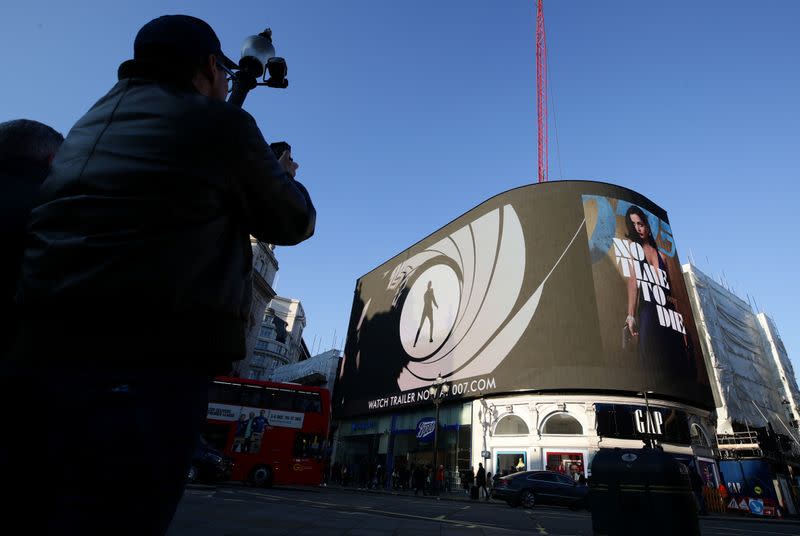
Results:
[307, 446]
[253, 396]
[280, 399]
[307, 403]
[225, 393]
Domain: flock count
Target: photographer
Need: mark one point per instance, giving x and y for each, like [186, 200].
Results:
[136, 285]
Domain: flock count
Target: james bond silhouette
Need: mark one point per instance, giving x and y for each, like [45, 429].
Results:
[427, 312]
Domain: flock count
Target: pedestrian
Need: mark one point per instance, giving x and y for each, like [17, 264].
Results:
[470, 480]
[697, 489]
[439, 480]
[27, 149]
[480, 481]
[419, 480]
[136, 285]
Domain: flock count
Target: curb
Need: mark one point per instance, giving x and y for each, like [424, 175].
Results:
[444, 497]
[751, 519]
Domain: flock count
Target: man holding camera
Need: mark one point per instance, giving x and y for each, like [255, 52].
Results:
[136, 285]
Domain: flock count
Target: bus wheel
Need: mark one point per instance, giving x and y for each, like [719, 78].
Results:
[261, 476]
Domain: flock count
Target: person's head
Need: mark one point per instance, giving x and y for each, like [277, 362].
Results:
[186, 50]
[638, 226]
[25, 139]
[480, 465]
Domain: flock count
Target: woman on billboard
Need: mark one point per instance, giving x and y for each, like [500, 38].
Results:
[650, 292]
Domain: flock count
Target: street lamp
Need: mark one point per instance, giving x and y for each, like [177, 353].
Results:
[437, 391]
[648, 440]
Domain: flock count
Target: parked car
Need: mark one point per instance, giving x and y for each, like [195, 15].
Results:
[529, 488]
[209, 465]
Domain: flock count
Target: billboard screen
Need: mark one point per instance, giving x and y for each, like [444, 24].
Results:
[531, 290]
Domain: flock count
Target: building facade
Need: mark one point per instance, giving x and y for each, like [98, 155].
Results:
[265, 270]
[557, 318]
[279, 340]
[755, 393]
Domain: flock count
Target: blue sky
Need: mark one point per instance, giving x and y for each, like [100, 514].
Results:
[404, 115]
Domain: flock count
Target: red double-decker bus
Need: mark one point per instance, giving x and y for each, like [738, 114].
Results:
[275, 432]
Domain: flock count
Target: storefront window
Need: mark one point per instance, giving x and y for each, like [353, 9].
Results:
[511, 462]
[307, 445]
[562, 424]
[511, 425]
[566, 463]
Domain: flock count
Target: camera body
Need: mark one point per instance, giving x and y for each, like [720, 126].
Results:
[279, 147]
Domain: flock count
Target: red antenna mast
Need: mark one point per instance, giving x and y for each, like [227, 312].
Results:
[541, 89]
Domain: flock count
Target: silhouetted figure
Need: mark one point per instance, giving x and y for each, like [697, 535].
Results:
[27, 149]
[480, 481]
[427, 312]
[136, 286]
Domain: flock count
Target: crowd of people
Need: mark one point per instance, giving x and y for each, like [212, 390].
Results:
[422, 479]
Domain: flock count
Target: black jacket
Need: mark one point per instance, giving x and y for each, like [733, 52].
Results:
[20, 179]
[480, 478]
[141, 240]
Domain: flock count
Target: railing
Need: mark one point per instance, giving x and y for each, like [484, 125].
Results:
[738, 439]
[714, 501]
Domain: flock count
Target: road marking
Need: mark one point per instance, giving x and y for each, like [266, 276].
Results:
[372, 510]
[540, 528]
[234, 500]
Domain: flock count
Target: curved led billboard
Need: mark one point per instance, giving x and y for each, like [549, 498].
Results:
[563, 286]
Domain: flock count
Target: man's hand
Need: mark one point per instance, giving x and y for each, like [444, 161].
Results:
[289, 165]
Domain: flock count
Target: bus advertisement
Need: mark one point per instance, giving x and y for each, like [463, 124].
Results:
[275, 432]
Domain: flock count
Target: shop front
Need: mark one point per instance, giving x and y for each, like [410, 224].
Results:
[399, 443]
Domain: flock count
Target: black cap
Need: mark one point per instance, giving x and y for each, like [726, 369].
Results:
[178, 38]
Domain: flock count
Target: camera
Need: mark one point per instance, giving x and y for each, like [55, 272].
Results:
[280, 147]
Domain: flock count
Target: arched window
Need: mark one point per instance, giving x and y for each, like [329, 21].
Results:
[698, 436]
[562, 424]
[511, 425]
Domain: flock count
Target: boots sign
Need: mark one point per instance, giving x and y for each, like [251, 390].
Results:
[425, 429]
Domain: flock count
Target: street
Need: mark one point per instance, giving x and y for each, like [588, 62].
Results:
[239, 510]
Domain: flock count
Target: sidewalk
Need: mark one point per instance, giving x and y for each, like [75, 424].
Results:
[459, 495]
